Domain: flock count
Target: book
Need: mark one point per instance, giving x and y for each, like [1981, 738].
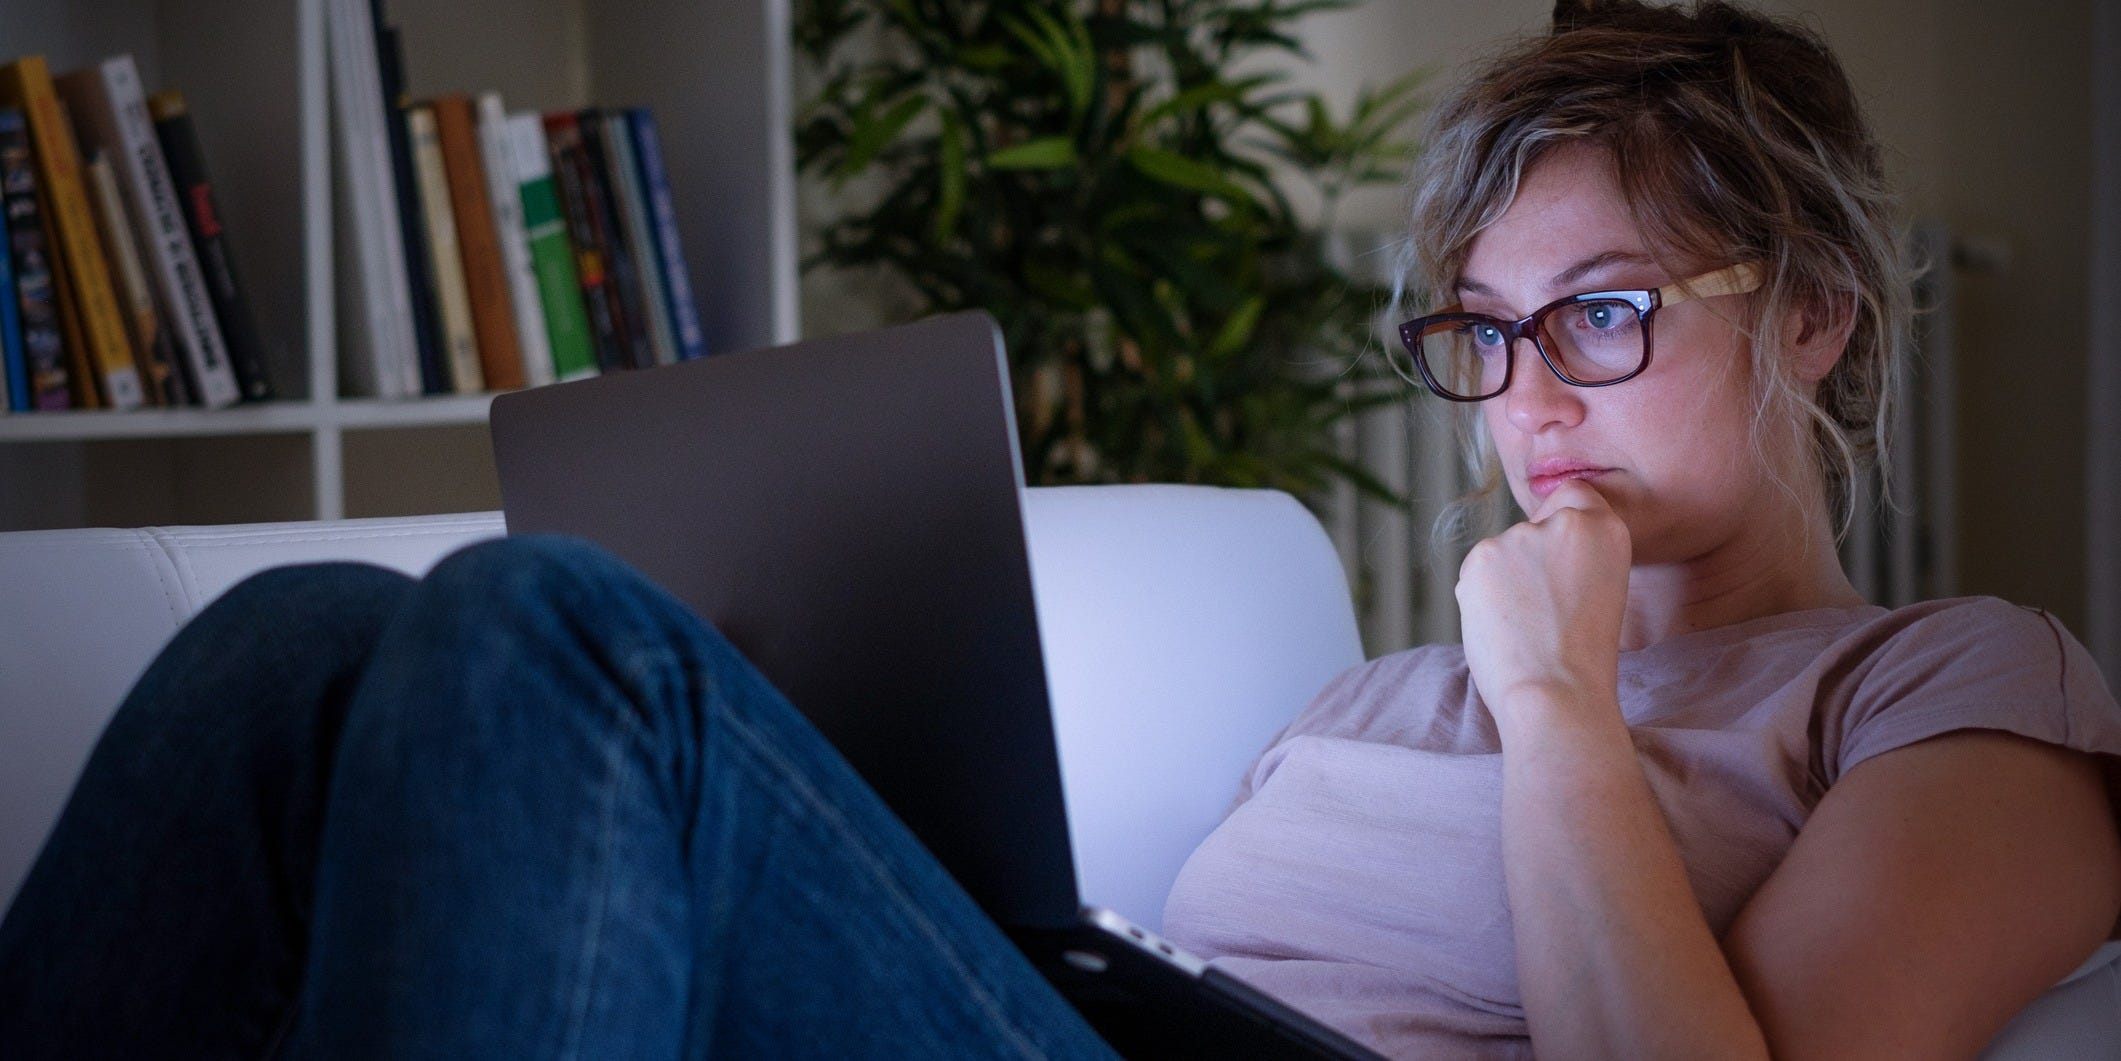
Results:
[14, 368]
[458, 338]
[493, 317]
[29, 258]
[209, 239]
[110, 113]
[552, 258]
[156, 356]
[379, 353]
[507, 201]
[84, 275]
[655, 186]
[628, 308]
[14, 362]
[419, 260]
[622, 174]
[586, 235]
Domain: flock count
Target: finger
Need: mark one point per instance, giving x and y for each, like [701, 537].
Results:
[1572, 493]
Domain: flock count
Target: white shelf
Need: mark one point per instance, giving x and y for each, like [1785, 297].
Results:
[714, 71]
[267, 418]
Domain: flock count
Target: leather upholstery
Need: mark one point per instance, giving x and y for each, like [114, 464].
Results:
[1182, 626]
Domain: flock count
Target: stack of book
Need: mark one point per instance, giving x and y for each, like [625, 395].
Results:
[487, 250]
[117, 286]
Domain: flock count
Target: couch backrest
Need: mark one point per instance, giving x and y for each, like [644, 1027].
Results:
[1183, 626]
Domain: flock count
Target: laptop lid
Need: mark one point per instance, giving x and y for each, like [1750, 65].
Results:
[848, 512]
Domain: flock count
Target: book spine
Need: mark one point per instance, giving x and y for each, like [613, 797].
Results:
[625, 277]
[16, 368]
[507, 202]
[202, 221]
[12, 357]
[383, 357]
[485, 276]
[80, 374]
[112, 112]
[591, 252]
[622, 173]
[677, 283]
[431, 348]
[28, 82]
[36, 289]
[448, 260]
[551, 256]
[130, 278]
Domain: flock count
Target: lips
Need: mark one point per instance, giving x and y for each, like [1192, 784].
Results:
[1545, 476]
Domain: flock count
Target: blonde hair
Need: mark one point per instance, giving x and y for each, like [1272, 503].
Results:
[1734, 137]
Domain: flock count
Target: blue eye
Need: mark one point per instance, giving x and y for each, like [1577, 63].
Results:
[1487, 335]
[1601, 315]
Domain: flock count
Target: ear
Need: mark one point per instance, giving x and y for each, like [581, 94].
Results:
[1821, 335]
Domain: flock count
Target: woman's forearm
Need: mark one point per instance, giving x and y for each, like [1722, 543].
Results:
[1614, 957]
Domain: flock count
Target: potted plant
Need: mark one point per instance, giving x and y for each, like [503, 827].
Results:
[1106, 179]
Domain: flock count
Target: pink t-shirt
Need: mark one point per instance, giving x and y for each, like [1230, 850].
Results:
[1359, 874]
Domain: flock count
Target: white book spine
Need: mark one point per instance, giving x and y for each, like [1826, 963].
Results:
[640, 241]
[143, 175]
[504, 191]
[382, 323]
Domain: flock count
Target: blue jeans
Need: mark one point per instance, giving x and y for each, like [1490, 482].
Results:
[530, 806]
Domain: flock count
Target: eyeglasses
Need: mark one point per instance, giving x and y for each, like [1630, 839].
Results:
[1594, 339]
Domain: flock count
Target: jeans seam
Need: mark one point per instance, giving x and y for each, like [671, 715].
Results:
[793, 776]
[613, 753]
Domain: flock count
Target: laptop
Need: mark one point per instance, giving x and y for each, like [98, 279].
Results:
[849, 513]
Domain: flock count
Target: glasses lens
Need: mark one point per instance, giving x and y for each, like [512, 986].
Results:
[1596, 341]
[1466, 359]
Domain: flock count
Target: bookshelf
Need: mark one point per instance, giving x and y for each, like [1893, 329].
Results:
[714, 71]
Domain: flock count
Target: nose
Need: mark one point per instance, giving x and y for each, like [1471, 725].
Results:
[1537, 399]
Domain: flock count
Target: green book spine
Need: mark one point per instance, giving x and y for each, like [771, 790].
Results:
[552, 259]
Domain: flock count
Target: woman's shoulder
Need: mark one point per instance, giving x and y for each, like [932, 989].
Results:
[1963, 640]
[1923, 669]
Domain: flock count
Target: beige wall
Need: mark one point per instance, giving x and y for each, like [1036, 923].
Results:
[1985, 109]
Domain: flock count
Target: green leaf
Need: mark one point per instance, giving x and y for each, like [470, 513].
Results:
[1179, 171]
[1237, 330]
[1048, 152]
[871, 136]
[950, 175]
[1200, 97]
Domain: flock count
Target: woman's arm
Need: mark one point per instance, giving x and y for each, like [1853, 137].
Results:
[1614, 957]
[1936, 891]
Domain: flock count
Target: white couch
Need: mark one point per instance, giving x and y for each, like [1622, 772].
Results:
[1183, 626]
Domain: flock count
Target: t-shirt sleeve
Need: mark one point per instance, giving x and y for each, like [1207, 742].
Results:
[1980, 663]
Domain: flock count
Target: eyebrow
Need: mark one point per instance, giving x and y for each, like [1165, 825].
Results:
[1469, 286]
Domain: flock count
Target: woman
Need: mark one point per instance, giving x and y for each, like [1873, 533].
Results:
[1587, 822]
[1683, 793]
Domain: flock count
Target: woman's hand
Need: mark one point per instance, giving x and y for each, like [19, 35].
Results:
[1541, 605]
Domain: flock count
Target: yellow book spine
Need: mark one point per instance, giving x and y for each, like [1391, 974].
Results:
[28, 82]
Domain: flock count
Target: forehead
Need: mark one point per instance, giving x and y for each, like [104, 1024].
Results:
[1568, 208]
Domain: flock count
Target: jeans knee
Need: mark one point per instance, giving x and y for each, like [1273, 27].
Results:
[534, 567]
[285, 604]
[546, 584]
